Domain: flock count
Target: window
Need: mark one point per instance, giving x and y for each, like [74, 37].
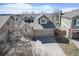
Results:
[31, 18]
[43, 21]
[25, 19]
[77, 22]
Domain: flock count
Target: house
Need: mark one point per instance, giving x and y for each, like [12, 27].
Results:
[6, 26]
[70, 23]
[45, 20]
[39, 24]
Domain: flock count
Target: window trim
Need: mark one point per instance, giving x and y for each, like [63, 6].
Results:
[43, 21]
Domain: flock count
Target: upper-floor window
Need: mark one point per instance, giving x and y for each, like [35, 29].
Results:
[31, 19]
[26, 19]
[43, 21]
[77, 22]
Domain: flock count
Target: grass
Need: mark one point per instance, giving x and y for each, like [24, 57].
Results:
[69, 48]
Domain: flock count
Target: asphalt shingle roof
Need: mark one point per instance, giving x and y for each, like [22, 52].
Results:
[3, 20]
[72, 13]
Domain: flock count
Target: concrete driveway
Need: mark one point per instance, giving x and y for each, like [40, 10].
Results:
[46, 46]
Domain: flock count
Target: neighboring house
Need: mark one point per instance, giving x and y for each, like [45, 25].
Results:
[70, 23]
[6, 24]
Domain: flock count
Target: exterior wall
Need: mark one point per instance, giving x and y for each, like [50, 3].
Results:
[45, 32]
[75, 29]
[66, 21]
[66, 25]
[26, 31]
[37, 32]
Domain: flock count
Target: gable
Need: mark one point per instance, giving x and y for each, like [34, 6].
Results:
[3, 20]
[43, 19]
[43, 16]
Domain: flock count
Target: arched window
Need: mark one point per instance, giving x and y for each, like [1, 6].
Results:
[25, 19]
[31, 19]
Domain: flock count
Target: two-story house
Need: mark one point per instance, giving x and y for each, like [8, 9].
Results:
[70, 23]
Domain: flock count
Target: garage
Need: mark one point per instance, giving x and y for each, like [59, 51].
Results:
[75, 35]
[44, 32]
